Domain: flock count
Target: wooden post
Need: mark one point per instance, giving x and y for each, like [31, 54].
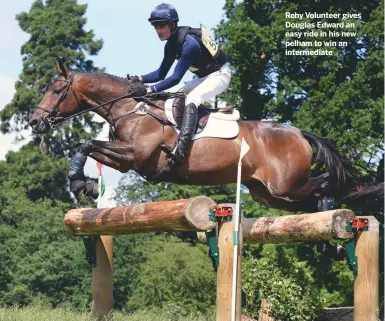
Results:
[102, 278]
[264, 311]
[225, 270]
[366, 283]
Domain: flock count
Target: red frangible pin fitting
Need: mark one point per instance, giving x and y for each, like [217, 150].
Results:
[359, 223]
[223, 211]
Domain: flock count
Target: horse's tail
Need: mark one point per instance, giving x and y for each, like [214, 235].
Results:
[341, 171]
[375, 192]
[344, 180]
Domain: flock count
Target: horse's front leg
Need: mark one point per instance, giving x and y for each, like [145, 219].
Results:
[117, 155]
[106, 161]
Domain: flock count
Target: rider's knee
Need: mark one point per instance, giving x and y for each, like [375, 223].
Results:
[191, 99]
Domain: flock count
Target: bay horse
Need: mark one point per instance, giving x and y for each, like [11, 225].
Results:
[275, 170]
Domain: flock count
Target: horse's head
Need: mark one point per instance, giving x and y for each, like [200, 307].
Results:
[61, 100]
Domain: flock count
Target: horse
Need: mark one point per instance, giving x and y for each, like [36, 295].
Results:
[276, 170]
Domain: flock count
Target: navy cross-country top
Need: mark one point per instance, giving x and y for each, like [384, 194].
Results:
[191, 54]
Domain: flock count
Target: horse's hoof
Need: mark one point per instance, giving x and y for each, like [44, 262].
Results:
[91, 189]
[340, 253]
[76, 187]
[75, 175]
[325, 204]
[336, 252]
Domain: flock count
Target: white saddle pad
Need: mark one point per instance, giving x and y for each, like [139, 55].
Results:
[219, 125]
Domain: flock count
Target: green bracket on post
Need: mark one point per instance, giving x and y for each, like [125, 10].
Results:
[212, 215]
[351, 256]
[213, 248]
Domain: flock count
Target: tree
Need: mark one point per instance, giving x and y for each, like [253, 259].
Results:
[56, 29]
[134, 189]
[35, 265]
[37, 174]
[339, 96]
[289, 289]
[174, 272]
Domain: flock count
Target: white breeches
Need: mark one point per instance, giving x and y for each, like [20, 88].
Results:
[200, 90]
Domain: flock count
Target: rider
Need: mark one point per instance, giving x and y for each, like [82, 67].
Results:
[194, 50]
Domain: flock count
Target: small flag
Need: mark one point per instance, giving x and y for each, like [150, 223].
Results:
[99, 166]
[102, 186]
[244, 148]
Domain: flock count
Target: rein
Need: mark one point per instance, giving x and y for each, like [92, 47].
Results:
[54, 121]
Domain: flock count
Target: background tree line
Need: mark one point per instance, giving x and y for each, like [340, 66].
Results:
[339, 96]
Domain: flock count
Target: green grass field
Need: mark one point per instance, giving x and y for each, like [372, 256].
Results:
[46, 314]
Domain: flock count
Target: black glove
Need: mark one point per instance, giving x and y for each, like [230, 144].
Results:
[137, 89]
[133, 79]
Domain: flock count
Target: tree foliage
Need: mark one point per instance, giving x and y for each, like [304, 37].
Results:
[339, 96]
[289, 291]
[56, 30]
[175, 272]
[35, 264]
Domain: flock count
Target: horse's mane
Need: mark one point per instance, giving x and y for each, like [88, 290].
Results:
[109, 75]
[99, 73]
[161, 96]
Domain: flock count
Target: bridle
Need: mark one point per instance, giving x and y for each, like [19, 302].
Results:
[52, 120]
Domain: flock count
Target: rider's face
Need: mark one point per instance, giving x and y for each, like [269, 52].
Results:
[163, 31]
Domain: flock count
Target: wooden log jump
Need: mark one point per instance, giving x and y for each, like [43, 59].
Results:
[320, 226]
[169, 216]
[193, 215]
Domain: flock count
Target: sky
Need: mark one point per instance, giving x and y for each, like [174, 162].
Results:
[130, 46]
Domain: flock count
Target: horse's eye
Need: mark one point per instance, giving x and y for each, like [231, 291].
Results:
[57, 91]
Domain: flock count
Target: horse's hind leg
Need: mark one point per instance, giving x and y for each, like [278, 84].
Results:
[261, 194]
[318, 184]
[315, 188]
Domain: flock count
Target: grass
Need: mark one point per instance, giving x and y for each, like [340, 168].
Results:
[47, 314]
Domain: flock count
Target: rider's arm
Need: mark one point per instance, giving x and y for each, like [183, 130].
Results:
[190, 50]
[161, 73]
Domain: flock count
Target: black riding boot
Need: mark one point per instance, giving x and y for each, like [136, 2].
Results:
[187, 131]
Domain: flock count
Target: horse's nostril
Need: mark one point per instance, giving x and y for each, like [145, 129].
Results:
[33, 122]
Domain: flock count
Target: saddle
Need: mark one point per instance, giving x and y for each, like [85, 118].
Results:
[203, 113]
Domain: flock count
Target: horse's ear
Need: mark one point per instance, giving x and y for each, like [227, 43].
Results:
[61, 68]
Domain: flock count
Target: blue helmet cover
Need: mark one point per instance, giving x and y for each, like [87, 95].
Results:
[163, 13]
